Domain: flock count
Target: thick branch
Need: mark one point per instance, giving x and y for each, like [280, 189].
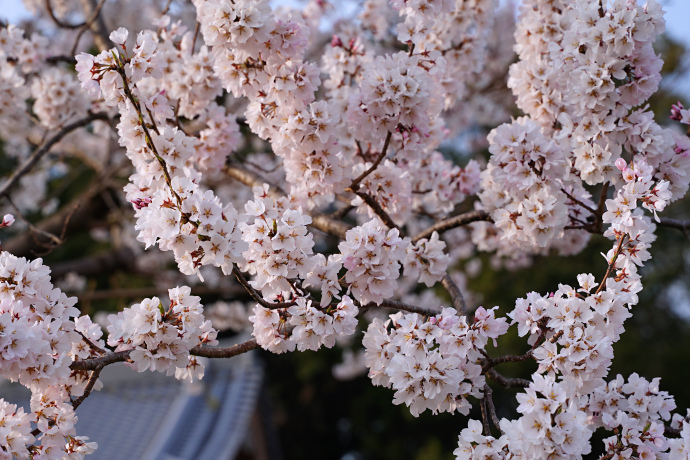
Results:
[228, 352]
[110, 261]
[507, 382]
[100, 362]
[453, 222]
[575, 200]
[45, 148]
[406, 307]
[329, 226]
[121, 356]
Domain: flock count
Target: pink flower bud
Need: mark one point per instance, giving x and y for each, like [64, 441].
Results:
[141, 202]
[621, 164]
[335, 41]
[7, 220]
[675, 111]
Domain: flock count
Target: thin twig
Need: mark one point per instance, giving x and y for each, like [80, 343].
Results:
[488, 397]
[45, 148]
[455, 294]
[255, 295]
[58, 22]
[575, 200]
[485, 416]
[89, 388]
[167, 7]
[53, 238]
[356, 183]
[682, 225]
[86, 26]
[376, 207]
[491, 362]
[196, 34]
[91, 345]
[611, 264]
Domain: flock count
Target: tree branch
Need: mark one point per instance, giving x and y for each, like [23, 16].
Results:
[74, 215]
[100, 362]
[228, 352]
[485, 415]
[455, 294]
[58, 22]
[206, 352]
[87, 25]
[256, 295]
[89, 388]
[45, 148]
[406, 307]
[507, 382]
[356, 183]
[489, 402]
[376, 207]
[453, 222]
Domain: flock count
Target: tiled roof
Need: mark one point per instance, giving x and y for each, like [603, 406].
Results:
[150, 416]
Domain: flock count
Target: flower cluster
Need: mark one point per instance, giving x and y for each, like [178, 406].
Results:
[431, 364]
[58, 98]
[37, 332]
[313, 161]
[390, 186]
[303, 326]
[55, 418]
[160, 338]
[550, 426]
[372, 258]
[426, 261]
[15, 431]
[395, 97]
[521, 185]
[324, 275]
[220, 137]
[259, 55]
[171, 208]
[635, 411]
[680, 447]
[439, 185]
[36, 347]
[279, 244]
